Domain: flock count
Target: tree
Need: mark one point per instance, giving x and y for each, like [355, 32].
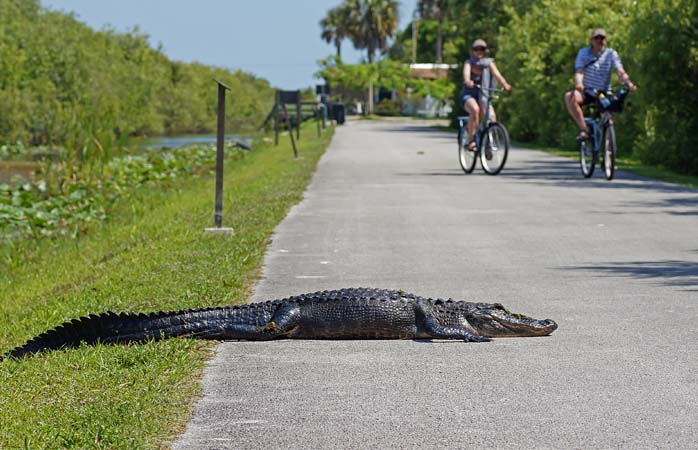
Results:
[372, 22]
[65, 84]
[435, 10]
[662, 55]
[335, 27]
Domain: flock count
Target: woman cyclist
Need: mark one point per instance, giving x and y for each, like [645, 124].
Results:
[472, 79]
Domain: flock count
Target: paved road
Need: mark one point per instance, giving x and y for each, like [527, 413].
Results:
[614, 263]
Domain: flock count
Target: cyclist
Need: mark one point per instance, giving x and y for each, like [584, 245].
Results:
[592, 73]
[472, 76]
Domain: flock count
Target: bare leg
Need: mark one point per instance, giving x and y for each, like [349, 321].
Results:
[573, 101]
[474, 111]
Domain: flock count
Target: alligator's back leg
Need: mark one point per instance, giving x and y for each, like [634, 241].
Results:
[284, 320]
[429, 327]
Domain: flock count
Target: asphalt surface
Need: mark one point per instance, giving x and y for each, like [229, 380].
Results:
[614, 263]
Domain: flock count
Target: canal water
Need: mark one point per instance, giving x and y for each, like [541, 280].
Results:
[157, 143]
[21, 171]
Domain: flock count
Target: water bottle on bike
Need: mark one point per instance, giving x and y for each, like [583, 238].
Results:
[605, 102]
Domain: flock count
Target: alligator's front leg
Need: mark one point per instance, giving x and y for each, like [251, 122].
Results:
[435, 330]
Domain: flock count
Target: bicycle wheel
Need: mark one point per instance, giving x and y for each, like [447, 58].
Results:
[587, 157]
[495, 149]
[609, 152]
[465, 156]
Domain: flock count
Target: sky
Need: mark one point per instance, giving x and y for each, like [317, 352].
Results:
[278, 40]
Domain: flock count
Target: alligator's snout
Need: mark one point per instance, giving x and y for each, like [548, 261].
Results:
[548, 325]
[521, 327]
[498, 322]
[544, 327]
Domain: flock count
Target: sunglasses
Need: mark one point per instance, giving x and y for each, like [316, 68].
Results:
[479, 49]
[599, 37]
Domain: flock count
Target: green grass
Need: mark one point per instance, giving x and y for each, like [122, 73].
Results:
[152, 255]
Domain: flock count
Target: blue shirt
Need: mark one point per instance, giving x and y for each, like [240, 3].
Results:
[597, 69]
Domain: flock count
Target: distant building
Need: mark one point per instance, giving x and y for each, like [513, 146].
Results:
[428, 106]
[431, 71]
[402, 102]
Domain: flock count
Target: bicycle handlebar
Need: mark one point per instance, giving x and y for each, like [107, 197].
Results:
[491, 89]
[614, 89]
[611, 101]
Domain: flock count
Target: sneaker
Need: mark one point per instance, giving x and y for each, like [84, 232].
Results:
[488, 153]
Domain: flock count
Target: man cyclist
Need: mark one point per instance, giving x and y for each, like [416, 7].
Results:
[592, 74]
[472, 78]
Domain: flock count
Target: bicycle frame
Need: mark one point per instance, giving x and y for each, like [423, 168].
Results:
[491, 139]
[601, 134]
[597, 126]
[600, 121]
[482, 126]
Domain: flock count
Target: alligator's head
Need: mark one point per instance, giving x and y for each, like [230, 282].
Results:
[493, 320]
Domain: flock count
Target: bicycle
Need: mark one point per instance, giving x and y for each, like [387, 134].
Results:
[492, 137]
[601, 133]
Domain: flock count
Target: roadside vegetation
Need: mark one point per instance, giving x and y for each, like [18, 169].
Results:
[63, 84]
[151, 254]
[535, 43]
[46, 207]
[70, 97]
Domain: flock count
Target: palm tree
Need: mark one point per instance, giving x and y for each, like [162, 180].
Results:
[415, 32]
[435, 10]
[335, 27]
[372, 22]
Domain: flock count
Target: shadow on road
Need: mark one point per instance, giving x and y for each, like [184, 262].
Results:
[425, 132]
[454, 173]
[407, 128]
[672, 202]
[666, 272]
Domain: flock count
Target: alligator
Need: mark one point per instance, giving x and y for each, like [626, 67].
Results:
[354, 313]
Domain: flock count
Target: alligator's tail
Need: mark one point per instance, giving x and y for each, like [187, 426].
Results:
[129, 327]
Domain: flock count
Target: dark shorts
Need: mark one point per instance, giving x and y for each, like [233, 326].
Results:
[467, 94]
[587, 98]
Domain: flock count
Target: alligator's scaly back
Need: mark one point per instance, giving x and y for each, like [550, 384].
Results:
[361, 313]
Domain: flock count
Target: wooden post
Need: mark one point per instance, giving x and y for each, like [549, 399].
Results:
[299, 116]
[220, 143]
[277, 111]
[290, 133]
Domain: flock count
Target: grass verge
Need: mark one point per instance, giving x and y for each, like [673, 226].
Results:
[152, 255]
